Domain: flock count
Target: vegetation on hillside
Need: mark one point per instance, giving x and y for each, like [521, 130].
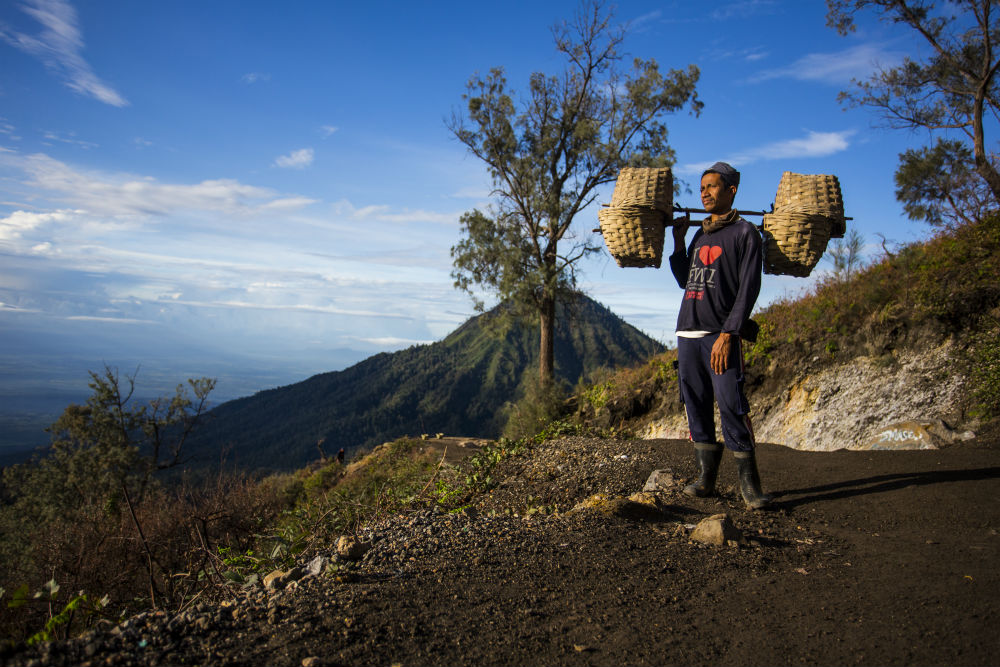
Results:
[946, 287]
[63, 574]
[453, 386]
[88, 528]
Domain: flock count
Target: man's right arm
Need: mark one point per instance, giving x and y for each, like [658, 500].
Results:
[680, 262]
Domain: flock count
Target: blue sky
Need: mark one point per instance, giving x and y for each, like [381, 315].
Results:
[224, 188]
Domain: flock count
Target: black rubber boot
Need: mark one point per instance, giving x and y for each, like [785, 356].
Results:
[708, 455]
[746, 468]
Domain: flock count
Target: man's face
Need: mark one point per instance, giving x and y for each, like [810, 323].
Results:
[716, 196]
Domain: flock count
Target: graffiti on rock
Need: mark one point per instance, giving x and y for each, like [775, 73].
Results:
[899, 435]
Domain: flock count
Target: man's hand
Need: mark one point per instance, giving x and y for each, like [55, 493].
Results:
[680, 230]
[720, 353]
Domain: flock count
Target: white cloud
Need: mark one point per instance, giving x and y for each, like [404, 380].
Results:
[9, 307]
[59, 46]
[287, 204]
[328, 130]
[814, 144]
[121, 195]
[470, 193]
[296, 307]
[383, 213]
[8, 129]
[749, 54]
[390, 341]
[857, 62]
[296, 159]
[641, 23]
[70, 139]
[18, 223]
[251, 78]
[111, 320]
[742, 9]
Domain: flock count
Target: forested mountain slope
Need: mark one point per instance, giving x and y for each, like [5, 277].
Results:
[455, 386]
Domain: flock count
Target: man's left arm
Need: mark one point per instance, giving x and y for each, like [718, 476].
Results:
[749, 271]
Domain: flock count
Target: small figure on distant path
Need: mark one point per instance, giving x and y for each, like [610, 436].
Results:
[720, 273]
[340, 456]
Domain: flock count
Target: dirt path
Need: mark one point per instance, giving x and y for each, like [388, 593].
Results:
[868, 558]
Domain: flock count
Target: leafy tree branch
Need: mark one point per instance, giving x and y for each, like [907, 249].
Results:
[547, 154]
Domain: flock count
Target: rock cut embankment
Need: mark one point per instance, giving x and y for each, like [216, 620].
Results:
[909, 400]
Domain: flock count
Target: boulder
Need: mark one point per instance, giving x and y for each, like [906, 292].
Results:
[645, 498]
[641, 506]
[660, 480]
[596, 501]
[915, 434]
[716, 529]
[274, 579]
[316, 566]
[351, 548]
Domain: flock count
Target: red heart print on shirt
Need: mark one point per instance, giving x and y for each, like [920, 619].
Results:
[709, 253]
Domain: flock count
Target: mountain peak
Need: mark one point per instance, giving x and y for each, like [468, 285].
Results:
[456, 386]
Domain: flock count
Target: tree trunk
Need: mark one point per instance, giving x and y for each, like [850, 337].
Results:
[547, 326]
[983, 165]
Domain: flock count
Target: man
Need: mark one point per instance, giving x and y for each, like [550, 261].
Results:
[720, 274]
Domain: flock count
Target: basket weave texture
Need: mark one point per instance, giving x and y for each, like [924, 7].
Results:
[633, 234]
[808, 212]
[794, 242]
[650, 187]
[633, 227]
[813, 193]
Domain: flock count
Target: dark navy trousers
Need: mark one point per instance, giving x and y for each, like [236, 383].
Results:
[701, 389]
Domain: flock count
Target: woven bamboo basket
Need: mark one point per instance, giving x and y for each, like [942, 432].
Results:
[633, 234]
[651, 187]
[794, 241]
[814, 194]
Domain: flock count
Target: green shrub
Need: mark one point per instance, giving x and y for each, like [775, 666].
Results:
[983, 363]
[539, 406]
[323, 479]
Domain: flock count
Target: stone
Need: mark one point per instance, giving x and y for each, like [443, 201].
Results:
[913, 434]
[660, 480]
[273, 579]
[311, 661]
[316, 566]
[596, 501]
[717, 530]
[645, 498]
[290, 576]
[351, 548]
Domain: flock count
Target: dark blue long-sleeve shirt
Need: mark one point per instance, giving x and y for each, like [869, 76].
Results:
[720, 274]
